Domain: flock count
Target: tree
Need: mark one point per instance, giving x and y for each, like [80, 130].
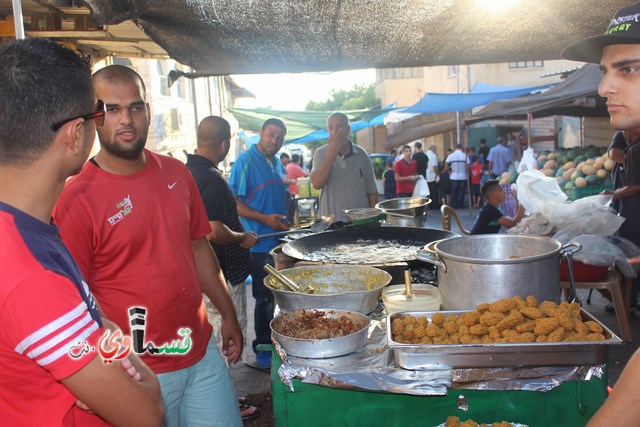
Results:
[359, 97]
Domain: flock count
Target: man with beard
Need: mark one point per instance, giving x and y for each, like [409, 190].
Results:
[135, 222]
[256, 181]
[618, 53]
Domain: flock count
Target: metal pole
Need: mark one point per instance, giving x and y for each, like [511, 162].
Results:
[17, 19]
[457, 112]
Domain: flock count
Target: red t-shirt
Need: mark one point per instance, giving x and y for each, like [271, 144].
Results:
[294, 172]
[402, 168]
[131, 236]
[43, 314]
[476, 173]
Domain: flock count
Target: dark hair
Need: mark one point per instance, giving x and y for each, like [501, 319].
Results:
[483, 141]
[274, 122]
[41, 83]
[489, 186]
[389, 163]
[284, 156]
[474, 158]
[295, 158]
[417, 144]
[406, 147]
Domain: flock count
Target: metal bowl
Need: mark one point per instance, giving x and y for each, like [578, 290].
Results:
[346, 287]
[321, 348]
[410, 206]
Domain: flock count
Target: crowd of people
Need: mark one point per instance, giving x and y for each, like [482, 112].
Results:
[121, 248]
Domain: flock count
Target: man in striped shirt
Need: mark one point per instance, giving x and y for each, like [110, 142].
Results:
[50, 326]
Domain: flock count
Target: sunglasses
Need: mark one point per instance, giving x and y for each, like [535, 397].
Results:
[98, 116]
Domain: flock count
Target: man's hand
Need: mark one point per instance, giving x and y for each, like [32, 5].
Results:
[249, 240]
[338, 140]
[276, 222]
[232, 341]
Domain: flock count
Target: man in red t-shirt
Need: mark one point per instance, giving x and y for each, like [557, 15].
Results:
[406, 172]
[476, 169]
[51, 329]
[295, 171]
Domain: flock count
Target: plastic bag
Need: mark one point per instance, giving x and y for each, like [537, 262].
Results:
[590, 215]
[528, 161]
[421, 188]
[601, 251]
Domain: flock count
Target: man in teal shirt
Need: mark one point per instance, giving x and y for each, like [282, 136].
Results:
[256, 181]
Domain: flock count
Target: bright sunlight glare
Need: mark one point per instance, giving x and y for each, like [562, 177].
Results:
[497, 6]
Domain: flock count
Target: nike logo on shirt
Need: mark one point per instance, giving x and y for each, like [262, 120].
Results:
[170, 186]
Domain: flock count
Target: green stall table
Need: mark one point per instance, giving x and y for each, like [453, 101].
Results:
[571, 404]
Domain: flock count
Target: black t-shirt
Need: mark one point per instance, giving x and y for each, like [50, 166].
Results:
[220, 204]
[487, 220]
[483, 152]
[630, 206]
[423, 162]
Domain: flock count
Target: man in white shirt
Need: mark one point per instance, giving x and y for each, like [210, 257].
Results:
[433, 177]
[457, 163]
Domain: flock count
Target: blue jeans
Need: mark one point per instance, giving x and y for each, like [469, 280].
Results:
[458, 190]
[265, 305]
[200, 395]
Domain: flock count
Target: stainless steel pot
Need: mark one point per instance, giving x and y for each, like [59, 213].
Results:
[486, 268]
[346, 287]
[406, 211]
[321, 348]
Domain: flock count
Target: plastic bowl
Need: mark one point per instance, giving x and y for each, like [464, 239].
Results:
[425, 298]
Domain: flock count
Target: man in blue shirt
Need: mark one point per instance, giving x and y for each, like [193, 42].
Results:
[499, 159]
[256, 181]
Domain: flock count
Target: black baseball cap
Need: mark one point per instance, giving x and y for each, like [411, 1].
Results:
[624, 28]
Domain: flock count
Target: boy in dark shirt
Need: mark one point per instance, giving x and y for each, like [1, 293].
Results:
[490, 218]
[389, 181]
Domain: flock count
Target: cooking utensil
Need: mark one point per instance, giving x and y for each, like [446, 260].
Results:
[304, 247]
[408, 292]
[425, 298]
[340, 286]
[566, 253]
[480, 268]
[286, 281]
[321, 348]
[319, 225]
[446, 356]
[406, 211]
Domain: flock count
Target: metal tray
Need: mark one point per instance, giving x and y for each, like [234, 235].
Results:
[438, 356]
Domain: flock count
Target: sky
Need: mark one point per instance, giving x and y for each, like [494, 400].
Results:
[292, 91]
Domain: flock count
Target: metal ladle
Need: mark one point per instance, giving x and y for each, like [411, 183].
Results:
[408, 288]
[286, 281]
[319, 225]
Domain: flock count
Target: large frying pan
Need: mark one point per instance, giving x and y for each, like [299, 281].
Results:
[300, 248]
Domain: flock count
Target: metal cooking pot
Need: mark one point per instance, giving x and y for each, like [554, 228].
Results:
[486, 268]
[406, 211]
[321, 348]
[346, 287]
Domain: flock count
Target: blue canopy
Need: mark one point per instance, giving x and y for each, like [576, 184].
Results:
[481, 94]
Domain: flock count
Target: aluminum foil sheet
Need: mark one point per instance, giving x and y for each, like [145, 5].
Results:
[373, 369]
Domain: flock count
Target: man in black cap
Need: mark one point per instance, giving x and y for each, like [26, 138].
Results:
[618, 53]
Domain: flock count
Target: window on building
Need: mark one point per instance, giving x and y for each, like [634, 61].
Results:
[175, 119]
[163, 73]
[526, 64]
[452, 70]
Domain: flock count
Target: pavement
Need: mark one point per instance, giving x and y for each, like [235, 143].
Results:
[251, 381]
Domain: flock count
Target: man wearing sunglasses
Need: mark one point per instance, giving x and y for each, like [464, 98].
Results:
[51, 327]
[136, 223]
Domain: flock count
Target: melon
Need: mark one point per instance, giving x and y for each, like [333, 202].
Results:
[563, 183]
[551, 156]
[579, 159]
[590, 161]
[569, 185]
[560, 172]
[599, 163]
[580, 165]
[567, 174]
[592, 180]
[569, 165]
[601, 173]
[609, 164]
[581, 182]
[589, 170]
[542, 157]
[548, 172]
[550, 164]
[577, 174]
